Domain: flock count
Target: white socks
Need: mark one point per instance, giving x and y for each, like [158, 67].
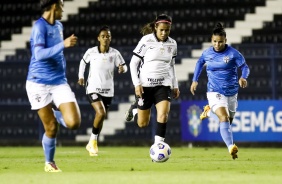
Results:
[93, 136]
[159, 139]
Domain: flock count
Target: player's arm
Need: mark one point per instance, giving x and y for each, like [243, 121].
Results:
[122, 68]
[40, 50]
[82, 67]
[134, 63]
[42, 53]
[175, 88]
[241, 63]
[197, 72]
[245, 73]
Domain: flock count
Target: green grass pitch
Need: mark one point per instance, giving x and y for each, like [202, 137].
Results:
[132, 165]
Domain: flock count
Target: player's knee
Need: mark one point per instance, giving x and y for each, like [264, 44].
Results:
[223, 118]
[143, 124]
[51, 129]
[73, 123]
[100, 115]
[162, 117]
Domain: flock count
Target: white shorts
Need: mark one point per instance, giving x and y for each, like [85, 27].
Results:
[40, 95]
[217, 100]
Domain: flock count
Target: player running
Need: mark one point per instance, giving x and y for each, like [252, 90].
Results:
[221, 62]
[153, 75]
[100, 83]
[46, 81]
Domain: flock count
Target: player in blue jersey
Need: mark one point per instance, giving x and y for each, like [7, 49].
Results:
[222, 62]
[46, 83]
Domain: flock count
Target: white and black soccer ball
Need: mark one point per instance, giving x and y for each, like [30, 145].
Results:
[160, 152]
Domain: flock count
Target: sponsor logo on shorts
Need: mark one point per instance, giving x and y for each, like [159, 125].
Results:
[37, 97]
[140, 102]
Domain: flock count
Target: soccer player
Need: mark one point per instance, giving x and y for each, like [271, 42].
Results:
[100, 83]
[46, 83]
[222, 62]
[153, 75]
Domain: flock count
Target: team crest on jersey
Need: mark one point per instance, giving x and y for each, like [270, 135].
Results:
[111, 59]
[194, 122]
[169, 49]
[162, 50]
[218, 96]
[226, 59]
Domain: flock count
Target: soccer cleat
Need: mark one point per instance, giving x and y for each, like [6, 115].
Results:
[51, 167]
[129, 113]
[204, 114]
[233, 151]
[92, 148]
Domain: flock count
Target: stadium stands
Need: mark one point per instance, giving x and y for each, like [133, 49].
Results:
[192, 23]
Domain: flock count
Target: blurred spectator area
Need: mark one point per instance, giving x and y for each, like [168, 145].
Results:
[193, 21]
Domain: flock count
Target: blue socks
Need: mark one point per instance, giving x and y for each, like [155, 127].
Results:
[226, 133]
[60, 118]
[213, 116]
[49, 147]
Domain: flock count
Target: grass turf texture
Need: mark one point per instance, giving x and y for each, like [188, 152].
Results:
[127, 165]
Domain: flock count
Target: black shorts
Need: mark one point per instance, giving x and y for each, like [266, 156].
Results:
[95, 97]
[154, 95]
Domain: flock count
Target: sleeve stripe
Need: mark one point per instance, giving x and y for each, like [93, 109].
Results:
[137, 55]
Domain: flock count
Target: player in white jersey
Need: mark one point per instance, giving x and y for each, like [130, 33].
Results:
[222, 62]
[153, 75]
[102, 59]
[46, 81]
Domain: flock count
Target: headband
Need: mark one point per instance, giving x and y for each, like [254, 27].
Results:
[163, 21]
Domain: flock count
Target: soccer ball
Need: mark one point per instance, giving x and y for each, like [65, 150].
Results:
[160, 152]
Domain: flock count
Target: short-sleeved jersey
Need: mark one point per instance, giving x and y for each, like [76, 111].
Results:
[101, 70]
[221, 70]
[157, 58]
[50, 68]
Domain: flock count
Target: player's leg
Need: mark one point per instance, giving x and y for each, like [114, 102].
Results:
[100, 114]
[41, 100]
[206, 112]
[64, 99]
[163, 109]
[100, 105]
[144, 104]
[219, 105]
[131, 112]
[162, 96]
[49, 138]
[142, 118]
[59, 117]
[232, 107]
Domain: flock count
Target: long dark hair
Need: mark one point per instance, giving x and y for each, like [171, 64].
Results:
[150, 27]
